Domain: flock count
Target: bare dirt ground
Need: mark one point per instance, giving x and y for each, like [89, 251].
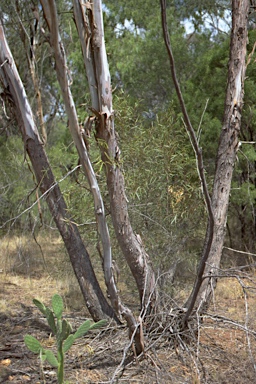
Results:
[224, 350]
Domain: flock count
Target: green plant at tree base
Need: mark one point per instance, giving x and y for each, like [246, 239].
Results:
[62, 330]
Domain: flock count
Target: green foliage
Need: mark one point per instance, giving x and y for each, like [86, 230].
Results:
[138, 60]
[208, 86]
[62, 330]
[197, 9]
[165, 200]
[162, 184]
[16, 182]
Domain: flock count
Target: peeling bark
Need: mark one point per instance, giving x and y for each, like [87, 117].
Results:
[217, 205]
[226, 158]
[89, 22]
[50, 14]
[18, 101]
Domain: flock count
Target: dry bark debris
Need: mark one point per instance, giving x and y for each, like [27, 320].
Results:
[220, 354]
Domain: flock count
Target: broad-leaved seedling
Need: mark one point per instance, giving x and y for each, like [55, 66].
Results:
[62, 330]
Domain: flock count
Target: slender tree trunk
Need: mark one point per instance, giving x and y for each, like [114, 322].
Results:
[30, 44]
[50, 13]
[217, 205]
[226, 158]
[17, 98]
[89, 22]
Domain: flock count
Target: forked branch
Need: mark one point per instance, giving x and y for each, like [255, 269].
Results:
[50, 14]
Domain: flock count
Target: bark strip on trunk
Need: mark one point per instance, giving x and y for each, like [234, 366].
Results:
[89, 22]
[15, 92]
[30, 44]
[217, 205]
[226, 158]
[50, 14]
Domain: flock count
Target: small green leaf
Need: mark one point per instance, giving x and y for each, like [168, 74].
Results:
[99, 324]
[50, 357]
[68, 343]
[32, 344]
[57, 305]
[40, 306]
[83, 329]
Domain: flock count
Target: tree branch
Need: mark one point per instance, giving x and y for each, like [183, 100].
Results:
[199, 160]
[91, 32]
[20, 107]
[50, 13]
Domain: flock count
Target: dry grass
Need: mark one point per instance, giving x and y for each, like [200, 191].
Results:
[40, 267]
[223, 351]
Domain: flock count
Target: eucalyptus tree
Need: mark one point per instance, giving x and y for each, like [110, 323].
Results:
[101, 95]
[101, 117]
[15, 95]
[217, 203]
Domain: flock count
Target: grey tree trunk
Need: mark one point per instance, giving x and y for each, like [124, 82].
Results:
[50, 13]
[89, 22]
[13, 91]
[217, 204]
[225, 162]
